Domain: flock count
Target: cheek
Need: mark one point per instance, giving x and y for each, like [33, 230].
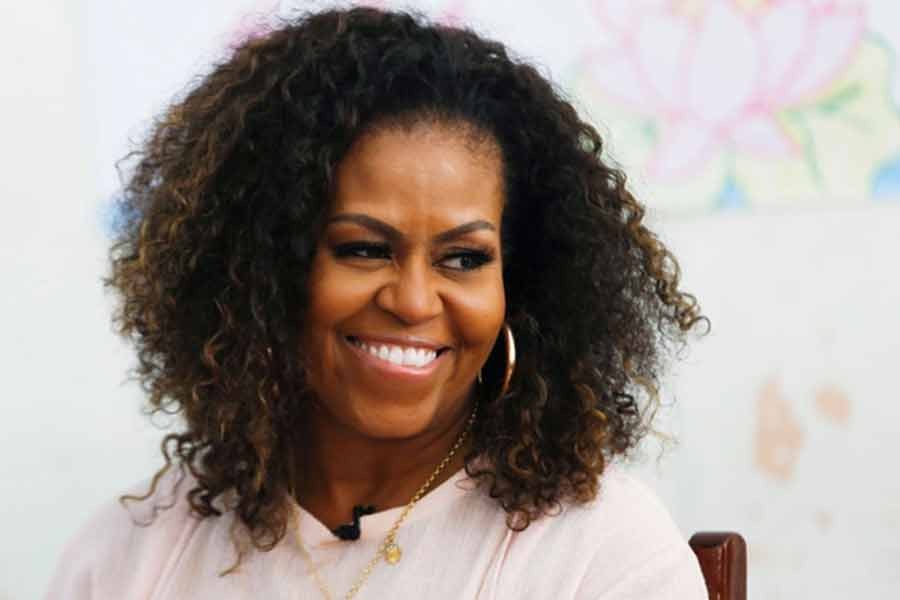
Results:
[480, 313]
[334, 296]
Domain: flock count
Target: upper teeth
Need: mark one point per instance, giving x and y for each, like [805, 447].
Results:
[407, 357]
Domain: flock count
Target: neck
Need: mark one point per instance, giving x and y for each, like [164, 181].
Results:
[342, 469]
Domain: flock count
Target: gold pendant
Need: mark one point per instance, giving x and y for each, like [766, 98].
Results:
[392, 554]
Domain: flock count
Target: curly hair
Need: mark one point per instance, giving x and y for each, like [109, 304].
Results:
[222, 206]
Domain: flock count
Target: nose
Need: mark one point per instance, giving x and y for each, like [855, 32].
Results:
[411, 295]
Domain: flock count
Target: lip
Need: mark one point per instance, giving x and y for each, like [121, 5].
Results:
[391, 371]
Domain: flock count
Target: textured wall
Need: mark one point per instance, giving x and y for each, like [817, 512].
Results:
[763, 134]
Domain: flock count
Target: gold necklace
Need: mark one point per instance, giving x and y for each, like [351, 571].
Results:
[389, 549]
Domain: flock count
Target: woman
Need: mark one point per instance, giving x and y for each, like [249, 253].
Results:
[405, 312]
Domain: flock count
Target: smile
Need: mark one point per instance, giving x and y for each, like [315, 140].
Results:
[403, 356]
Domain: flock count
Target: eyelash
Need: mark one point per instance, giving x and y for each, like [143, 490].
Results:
[383, 252]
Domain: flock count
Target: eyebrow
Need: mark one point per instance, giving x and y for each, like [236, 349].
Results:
[394, 234]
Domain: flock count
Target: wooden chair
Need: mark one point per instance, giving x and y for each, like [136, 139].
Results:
[723, 560]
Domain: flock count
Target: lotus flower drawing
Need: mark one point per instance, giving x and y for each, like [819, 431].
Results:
[717, 76]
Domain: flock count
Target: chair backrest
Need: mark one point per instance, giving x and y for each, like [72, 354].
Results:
[723, 560]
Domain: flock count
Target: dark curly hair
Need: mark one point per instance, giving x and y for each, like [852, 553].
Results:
[222, 206]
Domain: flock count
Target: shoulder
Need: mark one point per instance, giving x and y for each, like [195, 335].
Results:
[621, 545]
[636, 549]
[124, 546]
[626, 512]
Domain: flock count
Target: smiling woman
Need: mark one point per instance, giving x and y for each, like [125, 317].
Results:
[405, 310]
[405, 303]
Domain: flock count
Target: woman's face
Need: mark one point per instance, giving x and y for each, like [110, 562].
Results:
[406, 287]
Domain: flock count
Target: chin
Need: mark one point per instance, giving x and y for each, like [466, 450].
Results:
[391, 420]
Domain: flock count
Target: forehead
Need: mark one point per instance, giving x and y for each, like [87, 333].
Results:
[428, 172]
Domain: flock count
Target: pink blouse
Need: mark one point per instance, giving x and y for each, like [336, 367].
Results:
[455, 543]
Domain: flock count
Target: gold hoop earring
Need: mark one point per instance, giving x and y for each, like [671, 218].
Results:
[510, 360]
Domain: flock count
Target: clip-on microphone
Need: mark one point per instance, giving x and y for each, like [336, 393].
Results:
[351, 531]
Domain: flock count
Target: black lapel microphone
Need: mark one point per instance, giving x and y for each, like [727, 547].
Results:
[351, 531]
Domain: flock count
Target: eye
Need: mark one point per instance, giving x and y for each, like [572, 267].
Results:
[466, 260]
[363, 250]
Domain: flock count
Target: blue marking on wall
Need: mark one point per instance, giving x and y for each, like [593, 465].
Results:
[114, 216]
[886, 183]
[731, 196]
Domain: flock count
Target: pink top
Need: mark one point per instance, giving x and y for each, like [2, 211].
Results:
[455, 544]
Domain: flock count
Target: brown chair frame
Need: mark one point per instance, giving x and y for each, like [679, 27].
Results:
[723, 560]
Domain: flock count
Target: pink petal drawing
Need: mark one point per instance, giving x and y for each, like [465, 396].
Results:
[253, 24]
[719, 76]
[453, 13]
[615, 15]
[616, 74]
[684, 145]
[722, 83]
[784, 32]
[620, 16]
[837, 34]
[660, 46]
[761, 134]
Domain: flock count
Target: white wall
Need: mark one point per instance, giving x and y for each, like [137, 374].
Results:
[786, 414]
[789, 408]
